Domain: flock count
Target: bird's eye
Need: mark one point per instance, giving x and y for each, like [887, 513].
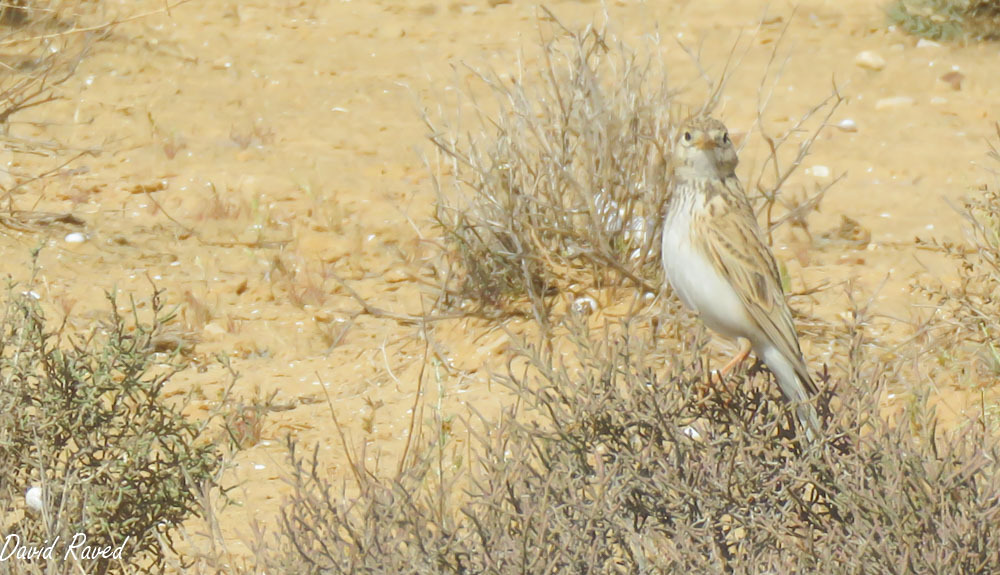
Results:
[687, 136]
[725, 138]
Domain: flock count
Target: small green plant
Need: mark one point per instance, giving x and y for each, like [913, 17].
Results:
[948, 19]
[85, 420]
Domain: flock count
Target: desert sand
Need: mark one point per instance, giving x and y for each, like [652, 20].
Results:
[246, 154]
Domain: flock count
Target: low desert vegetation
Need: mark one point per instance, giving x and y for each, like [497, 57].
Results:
[622, 453]
[966, 335]
[612, 465]
[86, 424]
[951, 20]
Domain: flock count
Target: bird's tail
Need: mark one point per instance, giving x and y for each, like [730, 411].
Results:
[797, 387]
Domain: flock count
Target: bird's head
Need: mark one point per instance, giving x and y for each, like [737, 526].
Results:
[703, 146]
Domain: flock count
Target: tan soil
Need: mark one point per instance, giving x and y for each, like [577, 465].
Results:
[251, 150]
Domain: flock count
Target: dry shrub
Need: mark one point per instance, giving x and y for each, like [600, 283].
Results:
[38, 56]
[613, 464]
[41, 48]
[41, 44]
[976, 20]
[966, 325]
[970, 311]
[566, 177]
[83, 417]
[614, 458]
[557, 184]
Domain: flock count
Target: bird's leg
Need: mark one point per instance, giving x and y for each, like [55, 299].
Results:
[737, 359]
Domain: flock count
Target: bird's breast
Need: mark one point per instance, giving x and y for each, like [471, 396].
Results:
[696, 278]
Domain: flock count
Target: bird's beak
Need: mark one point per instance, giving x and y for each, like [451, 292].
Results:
[706, 144]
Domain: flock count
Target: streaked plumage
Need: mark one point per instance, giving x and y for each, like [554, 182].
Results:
[718, 263]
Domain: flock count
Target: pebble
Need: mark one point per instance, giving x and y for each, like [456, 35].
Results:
[893, 102]
[925, 43]
[214, 330]
[847, 125]
[691, 432]
[819, 171]
[75, 238]
[869, 60]
[33, 498]
[953, 79]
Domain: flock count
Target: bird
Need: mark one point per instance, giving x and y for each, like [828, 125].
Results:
[717, 262]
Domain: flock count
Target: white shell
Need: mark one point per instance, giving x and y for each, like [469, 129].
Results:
[33, 498]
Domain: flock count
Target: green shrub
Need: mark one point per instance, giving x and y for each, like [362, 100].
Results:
[86, 420]
[948, 19]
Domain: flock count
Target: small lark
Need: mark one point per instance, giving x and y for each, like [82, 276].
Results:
[718, 263]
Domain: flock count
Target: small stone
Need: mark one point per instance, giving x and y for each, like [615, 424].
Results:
[75, 238]
[819, 171]
[691, 432]
[925, 43]
[953, 79]
[869, 60]
[214, 330]
[847, 125]
[893, 102]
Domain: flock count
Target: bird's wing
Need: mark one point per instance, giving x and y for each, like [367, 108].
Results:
[733, 242]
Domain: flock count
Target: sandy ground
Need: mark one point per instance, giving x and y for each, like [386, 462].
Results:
[251, 151]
